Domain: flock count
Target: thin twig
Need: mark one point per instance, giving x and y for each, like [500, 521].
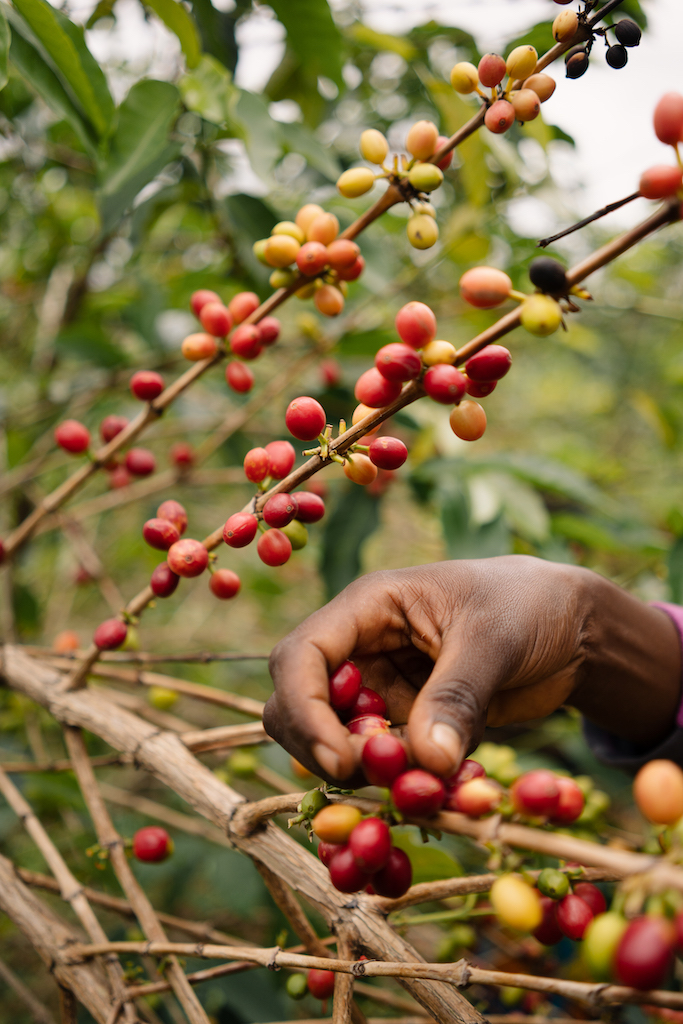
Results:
[146, 657]
[610, 208]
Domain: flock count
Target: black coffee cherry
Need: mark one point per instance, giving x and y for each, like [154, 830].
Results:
[548, 275]
[616, 56]
[577, 65]
[627, 32]
[579, 48]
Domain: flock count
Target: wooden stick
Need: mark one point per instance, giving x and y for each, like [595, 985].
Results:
[160, 812]
[225, 736]
[38, 1011]
[146, 657]
[63, 765]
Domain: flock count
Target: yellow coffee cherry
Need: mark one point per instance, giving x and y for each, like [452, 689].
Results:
[334, 824]
[281, 250]
[307, 214]
[427, 208]
[162, 698]
[360, 469]
[438, 352]
[421, 139]
[306, 291]
[355, 182]
[425, 177]
[565, 26]
[543, 85]
[540, 315]
[282, 278]
[658, 791]
[258, 249]
[422, 231]
[288, 227]
[526, 103]
[522, 62]
[464, 77]
[516, 903]
[373, 146]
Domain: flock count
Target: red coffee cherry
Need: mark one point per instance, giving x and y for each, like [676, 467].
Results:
[182, 455]
[345, 684]
[668, 118]
[146, 385]
[591, 895]
[269, 330]
[201, 298]
[329, 300]
[444, 384]
[368, 725]
[353, 272]
[573, 915]
[548, 931]
[418, 794]
[111, 426]
[469, 769]
[445, 162]
[311, 258]
[492, 363]
[416, 324]
[240, 529]
[160, 534]
[243, 305]
[485, 287]
[282, 457]
[570, 804]
[110, 634]
[311, 507]
[175, 513]
[199, 346]
[499, 117]
[645, 952]
[330, 373]
[73, 437]
[536, 793]
[152, 844]
[480, 389]
[491, 70]
[279, 510]
[398, 362]
[239, 377]
[345, 874]
[305, 418]
[224, 583]
[476, 797]
[368, 702]
[387, 452]
[370, 844]
[320, 983]
[215, 319]
[384, 759]
[274, 547]
[375, 390]
[342, 253]
[256, 465]
[140, 462]
[164, 581]
[360, 469]
[246, 342]
[326, 851]
[395, 878]
[188, 558]
[119, 477]
[660, 182]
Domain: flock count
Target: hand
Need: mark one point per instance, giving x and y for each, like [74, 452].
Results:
[455, 646]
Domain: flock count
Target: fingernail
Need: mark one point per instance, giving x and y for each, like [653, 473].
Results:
[447, 739]
[327, 758]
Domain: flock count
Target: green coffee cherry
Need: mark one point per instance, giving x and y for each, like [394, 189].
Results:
[461, 936]
[282, 278]
[259, 251]
[540, 315]
[600, 944]
[296, 986]
[423, 231]
[553, 883]
[510, 996]
[297, 533]
[242, 764]
[425, 177]
[355, 182]
[162, 698]
[373, 146]
[313, 802]
[597, 803]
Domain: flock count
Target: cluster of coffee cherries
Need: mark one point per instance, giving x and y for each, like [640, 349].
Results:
[567, 24]
[664, 180]
[506, 104]
[74, 437]
[310, 244]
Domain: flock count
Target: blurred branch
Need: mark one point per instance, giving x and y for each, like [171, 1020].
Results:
[40, 1013]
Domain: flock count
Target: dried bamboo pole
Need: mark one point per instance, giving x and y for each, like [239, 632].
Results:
[146, 657]
[38, 1011]
[342, 1007]
[225, 736]
[62, 765]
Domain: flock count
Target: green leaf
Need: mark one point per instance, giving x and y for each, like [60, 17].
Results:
[179, 21]
[381, 41]
[585, 531]
[464, 537]
[208, 90]
[430, 863]
[313, 36]
[5, 37]
[64, 43]
[140, 146]
[355, 517]
[90, 342]
[261, 134]
[300, 139]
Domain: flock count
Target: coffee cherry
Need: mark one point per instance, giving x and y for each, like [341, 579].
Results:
[182, 455]
[345, 684]
[543, 85]
[480, 389]
[243, 305]
[536, 793]
[336, 822]
[199, 346]
[368, 702]
[499, 117]
[387, 452]
[573, 915]
[305, 418]
[425, 177]
[296, 986]
[281, 250]
[491, 363]
[576, 65]
[516, 903]
[119, 477]
[152, 844]
[422, 231]
[239, 377]
[485, 287]
[310, 507]
[329, 300]
[110, 634]
[445, 162]
[355, 182]
[224, 583]
[259, 250]
[416, 324]
[360, 469]
[571, 802]
[297, 533]
[384, 759]
[326, 851]
[163, 581]
[395, 877]
[330, 373]
[174, 513]
[140, 462]
[312, 258]
[269, 330]
[645, 952]
[600, 942]
[548, 276]
[288, 227]
[565, 26]
[73, 437]
[162, 698]
[65, 642]
[368, 725]
[160, 534]
[660, 182]
[375, 390]
[668, 118]
[201, 298]
[342, 253]
[468, 421]
[279, 510]
[373, 146]
[283, 277]
[438, 352]
[274, 547]
[444, 384]
[464, 77]
[469, 769]
[616, 56]
[323, 228]
[246, 342]
[146, 385]
[361, 412]
[240, 529]
[421, 139]
[306, 214]
[527, 105]
[256, 465]
[345, 873]
[553, 883]
[281, 456]
[215, 319]
[370, 844]
[548, 932]
[540, 315]
[491, 70]
[398, 362]
[522, 62]
[476, 797]
[591, 895]
[320, 983]
[188, 558]
[658, 791]
[353, 272]
[418, 794]
[111, 426]
[627, 32]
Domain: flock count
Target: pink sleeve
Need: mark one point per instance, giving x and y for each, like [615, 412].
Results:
[675, 613]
